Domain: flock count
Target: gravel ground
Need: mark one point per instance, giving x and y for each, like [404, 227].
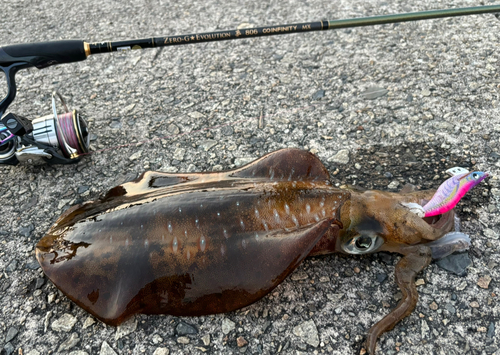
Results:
[380, 106]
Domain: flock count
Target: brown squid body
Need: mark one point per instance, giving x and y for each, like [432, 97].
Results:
[194, 244]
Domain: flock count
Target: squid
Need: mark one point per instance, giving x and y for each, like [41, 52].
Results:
[204, 243]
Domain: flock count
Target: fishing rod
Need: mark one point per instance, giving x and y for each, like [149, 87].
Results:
[62, 138]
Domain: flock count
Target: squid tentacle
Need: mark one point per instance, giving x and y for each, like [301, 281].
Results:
[415, 259]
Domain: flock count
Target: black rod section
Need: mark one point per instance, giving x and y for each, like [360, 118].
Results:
[106, 47]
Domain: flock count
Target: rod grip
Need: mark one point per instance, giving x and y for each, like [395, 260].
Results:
[43, 54]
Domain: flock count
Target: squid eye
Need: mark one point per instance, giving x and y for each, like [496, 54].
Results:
[362, 244]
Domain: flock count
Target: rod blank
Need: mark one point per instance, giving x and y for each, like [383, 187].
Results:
[106, 47]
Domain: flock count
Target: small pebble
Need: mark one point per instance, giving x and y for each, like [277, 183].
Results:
[157, 339]
[335, 297]
[12, 266]
[173, 129]
[161, 351]
[183, 340]
[450, 308]
[185, 329]
[11, 334]
[206, 340]
[424, 330]
[373, 93]
[318, 94]
[474, 304]
[135, 156]
[227, 326]
[491, 330]
[241, 341]
[393, 185]
[455, 263]
[307, 332]
[128, 109]
[299, 275]
[39, 282]
[127, 327]
[324, 279]
[342, 157]
[484, 281]
[8, 348]
[64, 323]
[82, 189]
[179, 154]
[106, 349]
[433, 306]
[196, 114]
[88, 322]
[208, 144]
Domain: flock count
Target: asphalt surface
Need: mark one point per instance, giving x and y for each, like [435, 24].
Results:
[380, 106]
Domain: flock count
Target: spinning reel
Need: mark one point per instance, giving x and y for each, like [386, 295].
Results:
[53, 139]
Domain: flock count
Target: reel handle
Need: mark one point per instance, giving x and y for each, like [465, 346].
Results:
[40, 55]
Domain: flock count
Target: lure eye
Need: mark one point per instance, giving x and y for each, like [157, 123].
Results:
[475, 176]
[362, 244]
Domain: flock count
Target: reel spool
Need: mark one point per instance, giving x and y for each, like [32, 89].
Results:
[73, 130]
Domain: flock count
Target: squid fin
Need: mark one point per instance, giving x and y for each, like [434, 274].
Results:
[285, 165]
